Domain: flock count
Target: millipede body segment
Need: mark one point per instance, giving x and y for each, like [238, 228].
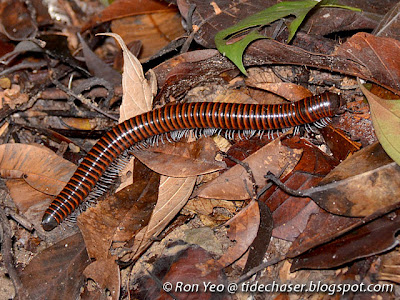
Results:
[202, 115]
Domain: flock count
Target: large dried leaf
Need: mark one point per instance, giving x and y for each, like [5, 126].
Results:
[386, 120]
[361, 185]
[322, 227]
[116, 220]
[40, 167]
[57, 272]
[182, 159]
[231, 185]
[243, 229]
[375, 237]
[376, 55]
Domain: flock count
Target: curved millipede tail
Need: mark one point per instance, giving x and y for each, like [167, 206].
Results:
[93, 174]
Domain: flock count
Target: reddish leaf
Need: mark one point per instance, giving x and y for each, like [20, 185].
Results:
[15, 21]
[60, 267]
[182, 271]
[231, 185]
[373, 238]
[243, 229]
[339, 144]
[291, 213]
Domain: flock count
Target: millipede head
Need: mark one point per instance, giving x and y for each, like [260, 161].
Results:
[336, 102]
[49, 222]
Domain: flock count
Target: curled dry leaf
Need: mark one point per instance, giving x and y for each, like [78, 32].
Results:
[287, 90]
[137, 92]
[231, 185]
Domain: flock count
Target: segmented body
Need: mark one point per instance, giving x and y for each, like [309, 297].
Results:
[199, 115]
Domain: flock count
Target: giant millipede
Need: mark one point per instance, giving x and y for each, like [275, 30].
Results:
[98, 168]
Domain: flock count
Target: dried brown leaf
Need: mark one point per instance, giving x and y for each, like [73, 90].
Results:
[231, 185]
[40, 167]
[173, 195]
[182, 159]
[242, 229]
[116, 220]
[361, 185]
[106, 274]
[60, 267]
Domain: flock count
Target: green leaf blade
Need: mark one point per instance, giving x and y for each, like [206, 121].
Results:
[386, 120]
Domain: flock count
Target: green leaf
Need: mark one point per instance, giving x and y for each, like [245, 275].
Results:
[386, 120]
[234, 50]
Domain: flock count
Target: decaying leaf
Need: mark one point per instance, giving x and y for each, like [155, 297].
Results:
[182, 159]
[357, 243]
[361, 185]
[106, 275]
[173, 195]
[111, 223]
[40, 167]
[231, 185]
[60, 267]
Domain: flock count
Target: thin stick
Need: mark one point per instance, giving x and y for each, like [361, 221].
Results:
[6, 251]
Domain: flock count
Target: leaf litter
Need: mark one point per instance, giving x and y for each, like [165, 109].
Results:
[138, 236]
